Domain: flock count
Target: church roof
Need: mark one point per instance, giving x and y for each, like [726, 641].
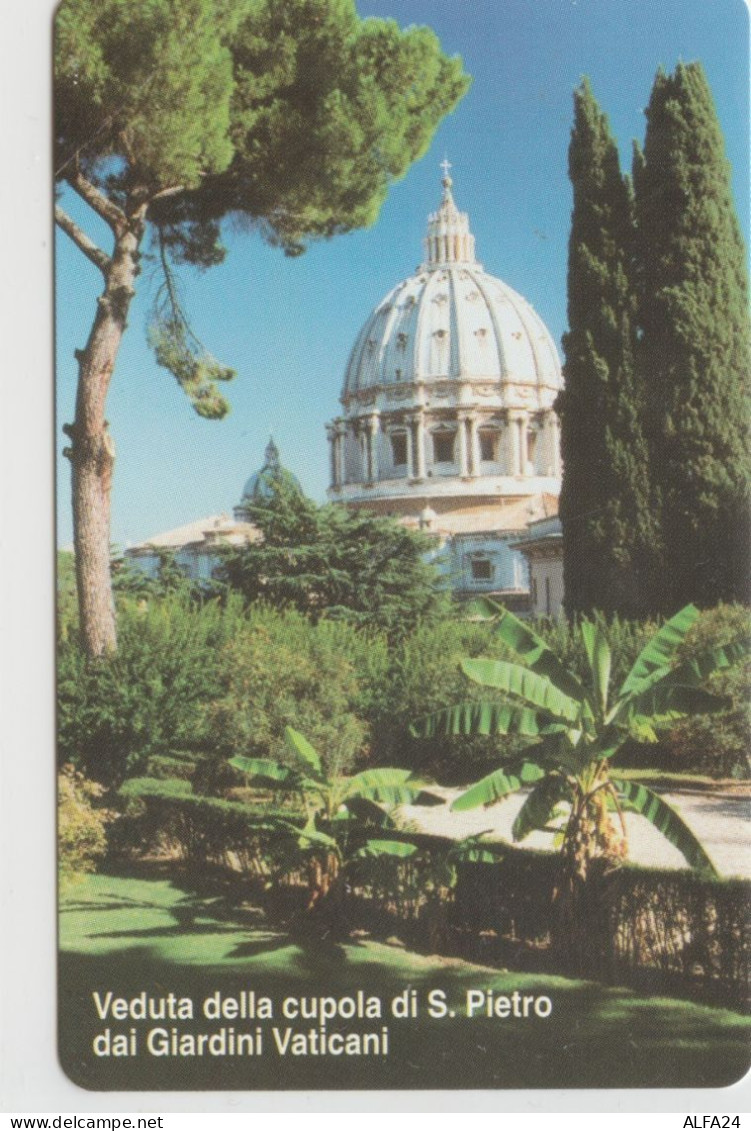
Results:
[452, 320]
[202, 532]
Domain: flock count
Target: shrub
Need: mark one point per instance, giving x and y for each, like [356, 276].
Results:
[716, 746]
[282, 670]
[179, 764]
[193, 684]
[625, 639]
[116, 712]
[424, 676]
[82, 827]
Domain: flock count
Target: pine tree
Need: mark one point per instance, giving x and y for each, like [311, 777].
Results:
[292, 116]
[694, 352]
[607, 523]
[331, 562]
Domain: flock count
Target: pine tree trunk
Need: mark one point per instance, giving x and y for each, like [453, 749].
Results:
[92, 452]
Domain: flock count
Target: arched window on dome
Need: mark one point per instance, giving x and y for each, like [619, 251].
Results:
[488, 438]
[399, 449]
[531, 450]
[444, 441]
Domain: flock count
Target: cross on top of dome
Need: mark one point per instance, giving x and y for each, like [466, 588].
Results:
[449, 239]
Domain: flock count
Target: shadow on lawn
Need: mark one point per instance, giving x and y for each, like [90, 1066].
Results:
[192, 947]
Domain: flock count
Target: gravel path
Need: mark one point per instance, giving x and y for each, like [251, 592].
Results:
[720, 821]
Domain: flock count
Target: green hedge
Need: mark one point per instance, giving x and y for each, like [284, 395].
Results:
[165, 815]
[670, 930]
[176, 764]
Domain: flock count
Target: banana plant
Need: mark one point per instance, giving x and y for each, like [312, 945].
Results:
[575, 732]
[342, 814]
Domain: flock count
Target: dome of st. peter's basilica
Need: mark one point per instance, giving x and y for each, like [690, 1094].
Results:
[447, 421]
[449, 389]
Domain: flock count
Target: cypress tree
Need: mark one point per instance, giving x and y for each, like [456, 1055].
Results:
[694, 352]
[605, 512]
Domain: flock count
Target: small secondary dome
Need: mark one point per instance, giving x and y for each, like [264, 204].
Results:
[264, 484]
[453, 321]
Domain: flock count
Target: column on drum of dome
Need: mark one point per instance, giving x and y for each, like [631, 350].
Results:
[461, 419]
[331, 435]
[367, 464]
[511, 454]
[546, 444]
[418, 421]
[341, 442]
[371, 424]
[411, 424]
[523, 425]
[410, 449]
[361, 438]
[474, 444]
[532, 432]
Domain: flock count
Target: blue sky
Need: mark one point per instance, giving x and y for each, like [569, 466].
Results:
[287, 325]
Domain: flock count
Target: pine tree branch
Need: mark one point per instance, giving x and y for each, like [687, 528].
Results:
[103, 207]
[93, 253]
[173, 190]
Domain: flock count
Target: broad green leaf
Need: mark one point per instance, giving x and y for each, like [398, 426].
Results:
[701, 667]
[397, 848]
[663, 817]
[472, 850]
[483, 608]
[640, 687]
[647, 695]
[600, 659]
[534, 689]
[539, 807]
[664, 677]
[264, 771]
[299, 745]
[661, 649]
[478, 856]
[561, 748]
[386, 785]
[498, 785]
[643, 729]
[666, 702]
[362, 809]
[587, 632]
[609, 740]
[483, 717]
[536, 653]
[311, 837]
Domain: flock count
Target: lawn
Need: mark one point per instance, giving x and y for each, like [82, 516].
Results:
[152, 937]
